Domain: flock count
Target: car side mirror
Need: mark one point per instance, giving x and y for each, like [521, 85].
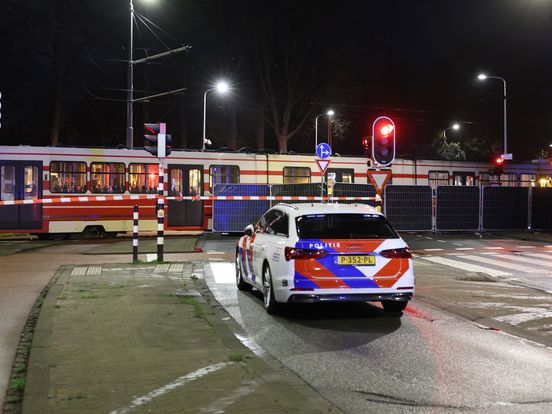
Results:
[249, 230]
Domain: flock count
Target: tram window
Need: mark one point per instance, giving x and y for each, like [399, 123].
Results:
[31, 182]
[297, 175]
[223, 174]
[463, 178]
[107, 177]
[7, 183]
[509, 180]
[527, 180]
[342, 175]
[143, 178]
[437, 178]
[67, 177]
[194, 182]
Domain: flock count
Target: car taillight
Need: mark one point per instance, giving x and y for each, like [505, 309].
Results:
[301, 254]
[403, 253]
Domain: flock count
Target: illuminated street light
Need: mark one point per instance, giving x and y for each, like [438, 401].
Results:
[456, 127]
[221, 88]
[483, 77]
[330, 113]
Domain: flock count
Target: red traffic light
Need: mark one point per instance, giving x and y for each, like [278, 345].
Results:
[387, 129]
[383, 141]
[365, 142]
[499, 161]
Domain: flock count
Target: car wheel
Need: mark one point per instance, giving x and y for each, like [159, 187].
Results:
[394, 306]
[270, 304]
[240, 283]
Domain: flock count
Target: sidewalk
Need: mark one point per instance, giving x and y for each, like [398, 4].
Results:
[141, 338]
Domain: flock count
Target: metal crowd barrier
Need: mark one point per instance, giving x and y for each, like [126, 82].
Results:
[457, 208]
[505, 208]
[541, 208]
[232, 216]
[409, 207]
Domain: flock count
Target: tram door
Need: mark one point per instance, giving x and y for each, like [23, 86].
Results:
[20, 180]
[185, 180]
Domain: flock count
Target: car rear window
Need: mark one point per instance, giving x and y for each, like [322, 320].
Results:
[344, 226]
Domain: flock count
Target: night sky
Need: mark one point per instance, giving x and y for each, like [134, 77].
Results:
[415, 61]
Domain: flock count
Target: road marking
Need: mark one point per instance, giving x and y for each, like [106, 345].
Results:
[510, 266]
[223, 272]
[162, 268]
[441, 241]
[137, 402]
[465, 266]
[458, 244]
[94, 271]
[220, 405]
[540, 255]
[429, 238]
[526, 247]
[434, 250]
[78, 271]
[464, 248]
[548, 245]
[151, 257]
[494, 248]
[215, 252]
[519, 258]
[176, 268]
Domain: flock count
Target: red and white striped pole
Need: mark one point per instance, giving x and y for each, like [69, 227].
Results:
[135, 234]
[160, 210]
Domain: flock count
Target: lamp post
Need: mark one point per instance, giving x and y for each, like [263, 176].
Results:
[222, 88]
[456, 127]
[482, 77]
[130, 82]
[329, 114]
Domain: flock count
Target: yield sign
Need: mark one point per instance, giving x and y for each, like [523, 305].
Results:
[379, 179]
[322, 165]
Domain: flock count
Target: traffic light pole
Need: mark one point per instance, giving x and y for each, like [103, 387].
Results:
[160, 210]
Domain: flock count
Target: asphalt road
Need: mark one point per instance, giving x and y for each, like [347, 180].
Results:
[428, 360]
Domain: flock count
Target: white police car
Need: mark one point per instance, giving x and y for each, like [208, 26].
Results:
[325, 252]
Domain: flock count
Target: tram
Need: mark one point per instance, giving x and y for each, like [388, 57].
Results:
[29, 172]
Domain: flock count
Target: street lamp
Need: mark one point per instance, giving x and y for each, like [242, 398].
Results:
[222, 88]
[329, 114]
[456, 127]
[482, 77]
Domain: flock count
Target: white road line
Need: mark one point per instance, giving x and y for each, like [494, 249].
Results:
[176, 268]
[458, 244]
[523, 259]
[434, 250]
[540, 255]
[494, 248]
[464, 248]
[223, 272]
[78, 271]
[220, 405]
[94, 271]
[137, 402]
[150, 257]
[500, 263]
[162, 268]
[215, 252]
[442, 241]
[548, 245]
[526, 247]
[465, 266]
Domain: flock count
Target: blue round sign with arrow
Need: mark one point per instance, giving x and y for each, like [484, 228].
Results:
[323, 150]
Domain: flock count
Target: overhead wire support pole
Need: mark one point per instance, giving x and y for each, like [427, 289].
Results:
[130, 83]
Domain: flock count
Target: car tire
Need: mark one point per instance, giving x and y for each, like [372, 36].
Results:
[393, 305]
[269, 302]
[240, 283]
